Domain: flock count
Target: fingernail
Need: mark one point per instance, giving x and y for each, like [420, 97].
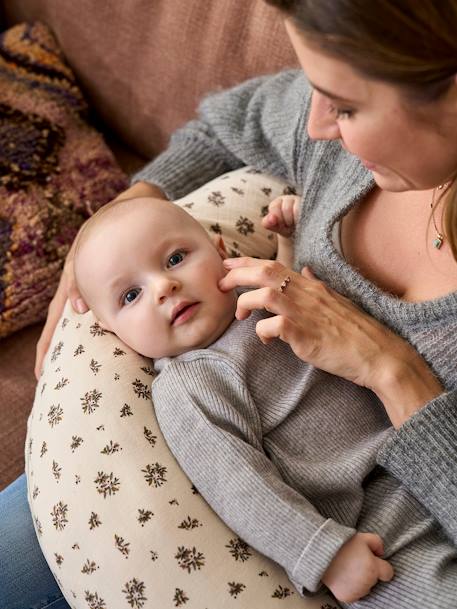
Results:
[80, 307]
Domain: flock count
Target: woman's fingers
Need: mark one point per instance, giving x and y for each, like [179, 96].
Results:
[252, 272]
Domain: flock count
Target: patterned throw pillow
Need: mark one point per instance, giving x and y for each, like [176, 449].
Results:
[55, 170]
[118, 521]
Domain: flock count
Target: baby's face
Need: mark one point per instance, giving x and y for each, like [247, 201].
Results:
[150, 274]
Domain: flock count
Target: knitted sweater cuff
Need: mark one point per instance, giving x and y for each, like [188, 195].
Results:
[318, 554]
[422, 455]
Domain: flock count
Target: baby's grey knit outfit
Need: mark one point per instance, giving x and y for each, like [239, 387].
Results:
[292, 458]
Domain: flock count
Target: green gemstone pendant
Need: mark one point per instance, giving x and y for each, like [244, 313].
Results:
[438, 242]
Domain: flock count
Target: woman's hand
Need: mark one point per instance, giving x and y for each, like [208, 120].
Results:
[328, 331]
[67, 288]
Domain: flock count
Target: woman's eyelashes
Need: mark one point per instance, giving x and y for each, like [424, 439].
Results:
[340, 113]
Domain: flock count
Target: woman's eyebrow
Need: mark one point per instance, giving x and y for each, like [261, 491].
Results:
[332, 95]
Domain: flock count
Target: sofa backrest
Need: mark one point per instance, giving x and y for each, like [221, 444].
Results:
[144, 64]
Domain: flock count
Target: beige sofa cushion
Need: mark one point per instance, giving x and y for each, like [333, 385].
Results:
[156, 60]
[119, 523]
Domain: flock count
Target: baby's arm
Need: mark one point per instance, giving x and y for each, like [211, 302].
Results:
[282, 218]
[213, 427]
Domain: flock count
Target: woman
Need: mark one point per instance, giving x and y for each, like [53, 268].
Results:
[384, 90]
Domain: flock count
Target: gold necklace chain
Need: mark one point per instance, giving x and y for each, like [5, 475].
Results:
[439, 239]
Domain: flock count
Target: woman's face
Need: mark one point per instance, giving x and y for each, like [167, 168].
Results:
[404, 150]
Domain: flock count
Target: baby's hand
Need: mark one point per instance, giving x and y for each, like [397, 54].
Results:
[357, 568]
[282, 215]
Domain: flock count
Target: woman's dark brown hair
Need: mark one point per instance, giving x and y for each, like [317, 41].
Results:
[409, 43]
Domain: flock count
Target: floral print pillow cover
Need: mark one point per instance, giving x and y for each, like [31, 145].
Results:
[119, 523]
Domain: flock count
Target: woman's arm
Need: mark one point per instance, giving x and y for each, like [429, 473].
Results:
[255, 123]
[422, 455]
[328, 331]
[212, 426]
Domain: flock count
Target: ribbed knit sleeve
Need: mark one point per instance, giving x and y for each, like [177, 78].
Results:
[213, 428]
[422, 454]
[255, 123]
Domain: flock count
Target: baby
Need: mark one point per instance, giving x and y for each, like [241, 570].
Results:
[150, 274]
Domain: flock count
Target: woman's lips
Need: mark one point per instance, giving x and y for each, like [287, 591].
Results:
[185, 314]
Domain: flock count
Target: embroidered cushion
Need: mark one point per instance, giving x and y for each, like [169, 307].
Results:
[55, 170]
[118, 521]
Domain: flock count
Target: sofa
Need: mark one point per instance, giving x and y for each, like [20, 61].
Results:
[143, 66]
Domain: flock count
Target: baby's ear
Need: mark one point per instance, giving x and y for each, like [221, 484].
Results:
[220, 246]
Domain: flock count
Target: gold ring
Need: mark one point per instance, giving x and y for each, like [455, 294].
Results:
[284, 284]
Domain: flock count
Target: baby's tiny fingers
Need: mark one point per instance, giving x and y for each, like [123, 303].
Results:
[385, 570]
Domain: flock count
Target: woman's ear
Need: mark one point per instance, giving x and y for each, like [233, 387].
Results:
[220, 246]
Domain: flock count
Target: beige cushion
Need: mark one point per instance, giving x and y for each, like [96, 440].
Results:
[119, 523]
[145, 65]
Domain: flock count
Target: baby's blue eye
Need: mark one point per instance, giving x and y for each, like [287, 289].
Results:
[130, 295]
[176, 258]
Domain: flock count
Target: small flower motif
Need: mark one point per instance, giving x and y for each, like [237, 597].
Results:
[122, 545]
[141, 390]
[239, 549]
[65, 321]
[59, 559]
[281, 592]
[111, 448]
[135, 593]
[289, 190]
[244, 226]
[148, 370]
[93, 600]
[39, 528]
[263, 574]
[55, 415]
[56, 351]
[90, 401]
[238, 191]
[56, 470]
[154, 555]
[118, 352]
[107, 484]
[150, 437]
[117, 376]
[180, 597]
[216, 198]
[94, 366]
[263, 211]
[216, 228]
[36, 492]
[61, 384]
[126, 411]
[44, 449]
[59, 516]
[266, 191]
[78, 351]
[89, 567]
[144, 516]
[236, 588]
[94, 521]
[155, 474]
[76, 442]
[189, 559]
[96, 330]
[189, 523]
[173, 502]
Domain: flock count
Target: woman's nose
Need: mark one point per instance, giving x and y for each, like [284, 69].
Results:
[321, 123]
[164, 288]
